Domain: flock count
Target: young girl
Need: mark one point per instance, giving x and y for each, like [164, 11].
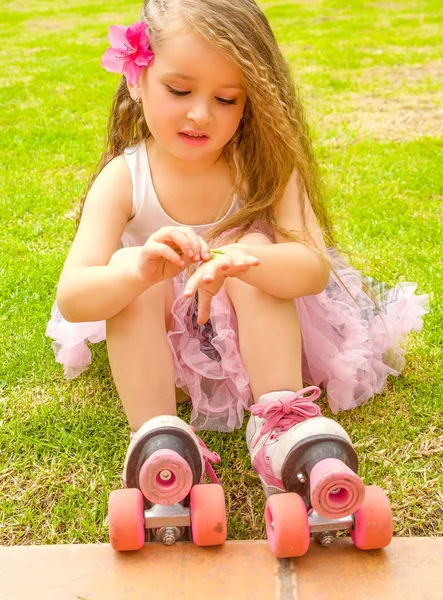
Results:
[204, 254]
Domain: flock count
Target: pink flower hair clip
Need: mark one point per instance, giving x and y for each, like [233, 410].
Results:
[129, 51]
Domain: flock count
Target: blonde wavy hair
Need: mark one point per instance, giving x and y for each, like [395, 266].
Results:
[272, 139]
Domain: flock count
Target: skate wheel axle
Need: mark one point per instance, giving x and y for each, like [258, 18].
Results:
[165, 475]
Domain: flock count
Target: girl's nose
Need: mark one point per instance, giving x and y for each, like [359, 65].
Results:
[200, 113]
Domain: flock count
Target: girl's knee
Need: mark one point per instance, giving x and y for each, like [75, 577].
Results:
[155, 301]
[234, 286]
[245, 295]
[255, 237]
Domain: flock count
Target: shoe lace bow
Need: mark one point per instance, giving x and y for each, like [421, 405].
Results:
[287, 411]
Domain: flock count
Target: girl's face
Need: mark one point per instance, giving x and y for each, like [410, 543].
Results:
[189, 86]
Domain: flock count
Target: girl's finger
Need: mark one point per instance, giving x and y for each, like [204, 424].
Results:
[212, 268]
[193, 284]
[183, 237]
[195, 242]
[204, 249]
[206, 273]
[172, 236]
[236, 264]
[157, 250]
[247, 261]
[225, 262]
[204, 307]
[186, 241]
[250, 258]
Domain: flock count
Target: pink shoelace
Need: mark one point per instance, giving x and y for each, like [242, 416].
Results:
[287, 411]
[209, 457]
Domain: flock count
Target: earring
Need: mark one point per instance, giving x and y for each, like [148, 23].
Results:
[137, 100]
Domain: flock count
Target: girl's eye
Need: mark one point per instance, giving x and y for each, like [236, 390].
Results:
[178, 93]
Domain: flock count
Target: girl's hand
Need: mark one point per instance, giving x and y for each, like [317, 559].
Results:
[227, 261]
[168, 251]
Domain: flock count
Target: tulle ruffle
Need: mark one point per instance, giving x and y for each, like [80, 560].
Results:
[208, 366]
[70, 343]
[350, 344]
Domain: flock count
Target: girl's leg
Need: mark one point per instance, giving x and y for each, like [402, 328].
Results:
[270, 346]
[270, 342]
[140, 357]
[165, 457]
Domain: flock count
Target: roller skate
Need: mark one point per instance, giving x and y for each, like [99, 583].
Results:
[308, 468]
[165, 498]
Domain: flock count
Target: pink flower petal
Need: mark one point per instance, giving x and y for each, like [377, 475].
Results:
[131, 71]
[112, 61]
[136, 34]
[145, 53]
[117, 37]
[144, 58]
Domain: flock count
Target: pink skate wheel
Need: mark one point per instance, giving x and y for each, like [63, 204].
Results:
[165, 477]
[126, 520]
[208, 514]
[287, 525]
[373, 527]
[336, 491]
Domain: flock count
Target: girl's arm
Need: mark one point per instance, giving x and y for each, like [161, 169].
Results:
[290, 269]
[286, 270]
[90, 289]
[99, 278]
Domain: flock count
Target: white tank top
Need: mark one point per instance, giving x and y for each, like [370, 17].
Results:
[147, 213]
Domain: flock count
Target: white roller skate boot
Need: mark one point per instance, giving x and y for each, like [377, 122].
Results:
[163, 473]
[308, 469]
[295, 449]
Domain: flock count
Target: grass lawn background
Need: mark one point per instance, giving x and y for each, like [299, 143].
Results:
[371, 77]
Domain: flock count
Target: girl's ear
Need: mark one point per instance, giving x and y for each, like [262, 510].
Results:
[134, 90]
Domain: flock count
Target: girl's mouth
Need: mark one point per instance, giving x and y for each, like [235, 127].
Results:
[193, 140]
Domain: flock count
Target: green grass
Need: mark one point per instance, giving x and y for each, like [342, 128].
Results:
[370, 74]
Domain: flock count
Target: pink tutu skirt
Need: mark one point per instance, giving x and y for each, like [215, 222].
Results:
[349, 345]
